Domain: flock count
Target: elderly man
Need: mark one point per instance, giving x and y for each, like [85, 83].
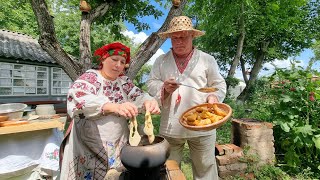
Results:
[186, 64]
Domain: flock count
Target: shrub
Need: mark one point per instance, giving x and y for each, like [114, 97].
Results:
[296, 116]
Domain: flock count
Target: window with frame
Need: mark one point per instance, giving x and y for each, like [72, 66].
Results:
[22, 80]
[60, 82]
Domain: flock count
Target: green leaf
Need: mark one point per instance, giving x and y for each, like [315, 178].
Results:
[292, 158]
[285, 127]
[305, 130]
[285, 98]
[316, 140]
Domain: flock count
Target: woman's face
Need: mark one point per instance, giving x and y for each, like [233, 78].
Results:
[113, 66]
[181, 43]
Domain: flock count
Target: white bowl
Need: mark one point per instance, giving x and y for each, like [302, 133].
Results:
[45, 109]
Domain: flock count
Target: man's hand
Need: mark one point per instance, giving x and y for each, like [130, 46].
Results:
[170, 85]
[212, 99]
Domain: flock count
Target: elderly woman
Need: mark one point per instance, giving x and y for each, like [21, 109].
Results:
[100, 103]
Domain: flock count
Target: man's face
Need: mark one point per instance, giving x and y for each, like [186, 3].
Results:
[181, 42]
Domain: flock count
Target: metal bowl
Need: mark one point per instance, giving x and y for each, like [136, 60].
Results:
[145, 156]
[13, 110]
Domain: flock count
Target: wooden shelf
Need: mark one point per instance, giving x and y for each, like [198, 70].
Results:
[32, 126]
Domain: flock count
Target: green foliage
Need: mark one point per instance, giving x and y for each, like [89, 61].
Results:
[296, 116]
[232, 81]
[140, 79]
[18, 16]
[270, 172]
[283, 27]
[316, 50]
[224, 133]
[290, 100]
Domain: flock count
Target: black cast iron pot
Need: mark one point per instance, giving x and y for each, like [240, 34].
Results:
[145, 156]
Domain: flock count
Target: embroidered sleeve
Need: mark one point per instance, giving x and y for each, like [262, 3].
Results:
[134, 93]
[131, 90]
[83, 96]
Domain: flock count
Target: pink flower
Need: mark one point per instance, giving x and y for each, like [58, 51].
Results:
[312, 98]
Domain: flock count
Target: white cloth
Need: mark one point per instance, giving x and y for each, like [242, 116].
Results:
[21, 152]
[201, 71]
[96, 140]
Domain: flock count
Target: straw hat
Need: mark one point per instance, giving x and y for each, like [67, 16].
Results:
[180, 23]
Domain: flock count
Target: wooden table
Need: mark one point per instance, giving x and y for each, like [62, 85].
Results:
[32, 126]
[28, 146]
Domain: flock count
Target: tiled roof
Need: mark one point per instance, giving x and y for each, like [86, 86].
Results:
[21, 46]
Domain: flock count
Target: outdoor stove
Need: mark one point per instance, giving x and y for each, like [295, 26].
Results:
[155, 174]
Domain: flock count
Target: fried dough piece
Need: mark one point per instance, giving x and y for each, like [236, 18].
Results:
[219, 111]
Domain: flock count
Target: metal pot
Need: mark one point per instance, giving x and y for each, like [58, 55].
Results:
[13, 110]
[145, 156]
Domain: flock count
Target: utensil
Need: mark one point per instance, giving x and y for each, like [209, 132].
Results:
[204, 90]
[135, 137]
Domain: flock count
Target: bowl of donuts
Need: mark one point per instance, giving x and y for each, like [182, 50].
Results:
[205, 117]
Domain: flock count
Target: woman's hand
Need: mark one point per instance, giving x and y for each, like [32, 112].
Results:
[212, 99]
[127, 109]
[152, 106]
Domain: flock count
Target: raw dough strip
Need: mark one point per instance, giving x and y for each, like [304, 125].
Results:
[135, 137]
[148, 127]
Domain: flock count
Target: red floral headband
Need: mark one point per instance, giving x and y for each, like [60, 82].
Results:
[113, 49]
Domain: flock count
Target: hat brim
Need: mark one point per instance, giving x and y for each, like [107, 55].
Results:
[196, 33]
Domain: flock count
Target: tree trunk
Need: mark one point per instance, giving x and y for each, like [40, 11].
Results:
[245, 94]
[243, 70]
[49, 42]
[236, 58]
[85, 31]
[150, 46]
[85, 46]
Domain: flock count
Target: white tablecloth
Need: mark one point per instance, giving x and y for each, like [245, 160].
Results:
[29, 152]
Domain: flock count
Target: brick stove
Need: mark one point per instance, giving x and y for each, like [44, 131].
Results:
[256, 135]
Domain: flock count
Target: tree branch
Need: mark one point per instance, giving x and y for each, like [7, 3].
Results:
[149, 47]
[49, 42]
